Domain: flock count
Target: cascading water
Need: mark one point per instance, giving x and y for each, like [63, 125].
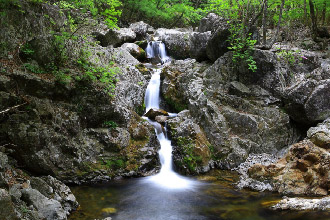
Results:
[156, 49]
[166, 177]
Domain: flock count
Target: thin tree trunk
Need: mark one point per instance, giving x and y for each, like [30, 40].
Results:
[264, 23]
[314, 21]
[324, 11]
[305, 11]
[278, 25]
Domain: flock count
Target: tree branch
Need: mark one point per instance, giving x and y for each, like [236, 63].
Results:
[11, 108]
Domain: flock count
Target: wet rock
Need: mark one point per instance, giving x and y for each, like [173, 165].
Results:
[135, 51]
[117, 37]
[153, 113]
[191, 149]
[303, 204]
[161, 119]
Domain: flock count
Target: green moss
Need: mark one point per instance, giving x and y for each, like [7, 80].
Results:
[140, 109]
[190, 159]
[178, 107]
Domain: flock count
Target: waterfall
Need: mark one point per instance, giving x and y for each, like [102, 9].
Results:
[166, 177]
[156, 49]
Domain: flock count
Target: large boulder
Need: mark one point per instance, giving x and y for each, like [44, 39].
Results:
[303, 170]
[77, 132]
[49, 209]
[191, 149]
[218, 44]
[135, 51]
[7, 211]
[237, 119]
[209, 23]
[117, 37]
[141, 30]
[184, 44]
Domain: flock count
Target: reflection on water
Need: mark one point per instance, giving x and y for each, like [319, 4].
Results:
[138, 199]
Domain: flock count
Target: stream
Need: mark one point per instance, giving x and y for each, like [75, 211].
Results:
[170, 196]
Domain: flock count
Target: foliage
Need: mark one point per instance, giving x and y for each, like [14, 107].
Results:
[110, 124]
[105, 75]
[290, 57]
[163, 12]
[242, 46]
[190, 159]
[33, 68]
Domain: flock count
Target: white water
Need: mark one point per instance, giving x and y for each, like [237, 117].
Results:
[157, 49]
[166, 178]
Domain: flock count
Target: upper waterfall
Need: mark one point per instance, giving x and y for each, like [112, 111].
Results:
[156, 49]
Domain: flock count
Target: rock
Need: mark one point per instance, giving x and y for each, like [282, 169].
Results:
[47, 208]
[233, 118]
[303, 204]
[245, 181]
[218, 45]
[320, 135]
[141, 30]
[300, 172]
[239, 89]
[3, 161]
[183, 45]
[153, 113]
[209, 23]
[54, 135]
[55, 189]
[307, 101]
[7, 211]
[161, 119]
[117, 37]
[191, 149]
[135, 51]
[16, 25]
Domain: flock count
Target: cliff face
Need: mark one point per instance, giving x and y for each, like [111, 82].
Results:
[59, 120]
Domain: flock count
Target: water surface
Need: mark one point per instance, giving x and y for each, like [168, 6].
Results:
[140, 199]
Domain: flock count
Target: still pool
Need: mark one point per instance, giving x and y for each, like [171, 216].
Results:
[210, 198]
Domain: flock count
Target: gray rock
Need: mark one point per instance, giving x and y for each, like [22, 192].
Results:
[191, 149]
[209, 23]
[303, 204]
[183, 45]
[135, 51]
[141, 30]
[234, 125]
[320, 135]
[47, 208]
[218, 45]
[7, 211]
[117, 37]
[3, 161]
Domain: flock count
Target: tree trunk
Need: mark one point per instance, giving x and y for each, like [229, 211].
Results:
[314, 21]
[264, 23]
[278, 25]
[305, 11]
[324, 11]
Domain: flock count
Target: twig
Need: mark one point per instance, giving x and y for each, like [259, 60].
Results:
[11, 108]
